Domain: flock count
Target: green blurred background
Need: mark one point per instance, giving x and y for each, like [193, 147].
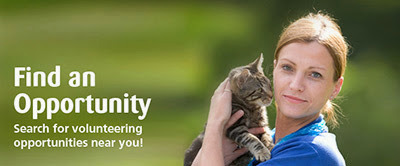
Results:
[177, 52]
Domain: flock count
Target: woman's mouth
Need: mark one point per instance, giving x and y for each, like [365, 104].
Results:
[293, 99]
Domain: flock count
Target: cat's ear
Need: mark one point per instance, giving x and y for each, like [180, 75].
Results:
[257, 64]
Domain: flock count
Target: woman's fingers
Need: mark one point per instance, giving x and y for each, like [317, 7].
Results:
[241, 151]
[236, 116]
[227, 88]
[258, 130]
[221, 105]
[221, 87]
[231, 152]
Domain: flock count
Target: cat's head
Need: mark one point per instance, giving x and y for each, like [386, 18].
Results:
[250, 84]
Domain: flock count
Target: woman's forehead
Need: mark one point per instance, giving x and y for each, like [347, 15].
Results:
[312, 55]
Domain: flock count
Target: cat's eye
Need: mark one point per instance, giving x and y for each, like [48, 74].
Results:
[255, 97]
[316, 75]
[248, 96]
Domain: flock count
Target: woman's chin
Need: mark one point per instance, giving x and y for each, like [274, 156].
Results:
[295, 113]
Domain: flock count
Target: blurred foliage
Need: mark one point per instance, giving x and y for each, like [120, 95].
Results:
[177, 53]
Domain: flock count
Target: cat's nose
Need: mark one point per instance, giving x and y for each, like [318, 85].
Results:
[269, 94]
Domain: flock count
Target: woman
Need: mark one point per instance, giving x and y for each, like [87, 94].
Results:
[309, 64]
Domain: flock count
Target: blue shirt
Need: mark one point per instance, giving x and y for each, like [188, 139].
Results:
[311, 145]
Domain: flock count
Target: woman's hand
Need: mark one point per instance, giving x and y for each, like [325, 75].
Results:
[230, 148]
[221, 106]
[217, 149]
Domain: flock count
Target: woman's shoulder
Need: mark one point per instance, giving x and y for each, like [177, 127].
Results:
[307, 150]
[326, 147]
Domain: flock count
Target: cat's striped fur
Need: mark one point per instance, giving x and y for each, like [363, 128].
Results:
[251, 92]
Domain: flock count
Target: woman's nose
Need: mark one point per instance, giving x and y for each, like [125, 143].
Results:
[297, 84]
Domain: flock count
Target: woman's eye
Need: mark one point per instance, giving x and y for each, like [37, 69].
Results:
[316, 75]
[287, 68]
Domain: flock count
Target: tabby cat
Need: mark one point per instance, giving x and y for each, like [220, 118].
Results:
[251, 92]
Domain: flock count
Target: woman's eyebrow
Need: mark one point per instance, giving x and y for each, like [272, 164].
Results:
[311, 67]
[316, 67]
[285, 59]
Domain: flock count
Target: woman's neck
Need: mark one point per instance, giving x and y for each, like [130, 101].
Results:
[285, 125]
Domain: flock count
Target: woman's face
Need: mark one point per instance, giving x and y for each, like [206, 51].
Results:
[303, 79]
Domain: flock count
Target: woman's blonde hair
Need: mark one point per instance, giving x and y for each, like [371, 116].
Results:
[324, 30]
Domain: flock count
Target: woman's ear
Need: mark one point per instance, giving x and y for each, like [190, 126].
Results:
[274, 63]
[338, 87]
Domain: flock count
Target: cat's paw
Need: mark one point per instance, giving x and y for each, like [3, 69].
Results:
[262, 155]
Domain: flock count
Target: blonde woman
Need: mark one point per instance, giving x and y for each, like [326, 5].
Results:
[309, 64]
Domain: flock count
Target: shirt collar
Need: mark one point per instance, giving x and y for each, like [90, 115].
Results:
[314, 128]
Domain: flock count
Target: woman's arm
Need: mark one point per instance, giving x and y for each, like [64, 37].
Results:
[211, 152]
[229, 148]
